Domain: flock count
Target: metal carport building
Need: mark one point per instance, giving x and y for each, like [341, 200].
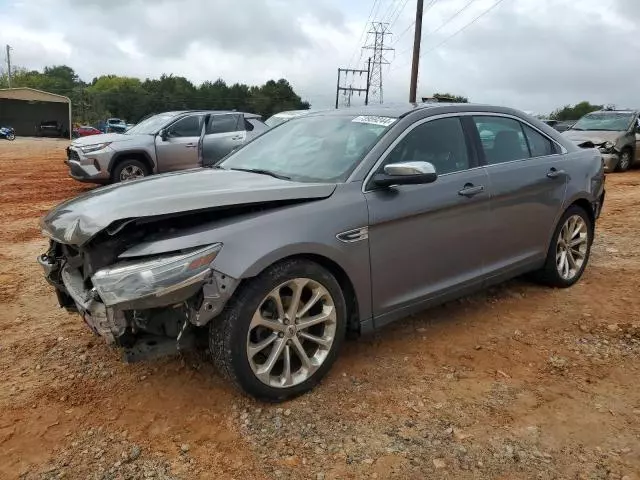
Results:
[24, 109]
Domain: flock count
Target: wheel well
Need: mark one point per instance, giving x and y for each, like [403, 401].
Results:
[353, 312]
[587, 207]
[141, 157]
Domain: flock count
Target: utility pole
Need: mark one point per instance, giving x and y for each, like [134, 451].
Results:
[9, 65]
[417, 37]
[377, 34]
[348, 88]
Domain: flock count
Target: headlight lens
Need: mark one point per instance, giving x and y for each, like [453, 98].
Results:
[94, 148]
[128, 281]
[606, 147]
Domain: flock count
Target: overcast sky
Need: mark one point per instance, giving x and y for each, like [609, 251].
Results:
[531, 54]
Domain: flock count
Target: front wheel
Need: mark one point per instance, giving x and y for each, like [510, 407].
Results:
[129, 170]
[11, 136]
[569, 251]
[625, 160]
[281, 332]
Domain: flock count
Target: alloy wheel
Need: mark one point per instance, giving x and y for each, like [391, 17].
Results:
[131, 172]
[625, 160]
[572, 246]
[291, 333]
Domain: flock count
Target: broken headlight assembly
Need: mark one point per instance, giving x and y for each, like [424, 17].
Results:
[134, 280]
[606, 147]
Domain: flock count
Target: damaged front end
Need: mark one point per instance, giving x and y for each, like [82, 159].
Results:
[149, 306]
[610, 154]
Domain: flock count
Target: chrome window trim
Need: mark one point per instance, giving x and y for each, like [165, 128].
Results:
[400, 137]
[563, 151]
[367, 178]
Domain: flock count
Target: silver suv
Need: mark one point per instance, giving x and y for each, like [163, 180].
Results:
[161, 143]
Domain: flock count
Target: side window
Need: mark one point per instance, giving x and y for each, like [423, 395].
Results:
[186, 127]
[439, 142]
[225, 123]
[502, 139]
[539, 145]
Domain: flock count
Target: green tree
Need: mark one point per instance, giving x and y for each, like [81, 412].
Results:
[449, 97]
[569, 112]
[132, 99]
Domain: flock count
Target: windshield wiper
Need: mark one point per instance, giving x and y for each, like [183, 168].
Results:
[262, 172]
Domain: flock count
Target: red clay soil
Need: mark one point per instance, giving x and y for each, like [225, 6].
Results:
[517, 382]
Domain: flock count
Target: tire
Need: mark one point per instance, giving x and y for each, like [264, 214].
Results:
[234, 332]
[550, 274]
[129, 165]
[625, 161]
[11, 136]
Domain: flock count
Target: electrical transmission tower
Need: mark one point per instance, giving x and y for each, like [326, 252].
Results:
[348, 89]
[376, 42]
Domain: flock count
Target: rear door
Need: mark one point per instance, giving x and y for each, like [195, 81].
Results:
[180, 149]
[528, 178]
[224, 133]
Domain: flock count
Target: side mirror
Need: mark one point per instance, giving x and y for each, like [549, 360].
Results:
[163, 134]
[406, 173]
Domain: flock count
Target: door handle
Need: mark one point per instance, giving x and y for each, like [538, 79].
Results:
[191, 145]
[554, 173]
[237, 137]
[470, 190]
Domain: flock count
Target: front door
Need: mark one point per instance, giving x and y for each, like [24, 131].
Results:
[428, 241]
[225, 132]
[528, 183]
[179, 150]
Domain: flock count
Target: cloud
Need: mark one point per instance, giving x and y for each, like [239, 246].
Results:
[531, 54]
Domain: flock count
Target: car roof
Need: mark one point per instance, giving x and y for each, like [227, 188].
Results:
[215, 112]
[615, 111]
[403, 109]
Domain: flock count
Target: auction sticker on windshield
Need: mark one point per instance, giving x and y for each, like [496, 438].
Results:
[375, 120]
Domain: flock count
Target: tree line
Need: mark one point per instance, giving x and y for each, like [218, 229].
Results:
[132, 99]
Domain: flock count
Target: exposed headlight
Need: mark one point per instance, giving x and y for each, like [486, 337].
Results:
[606, 147]
[129, 280]
[95, 147]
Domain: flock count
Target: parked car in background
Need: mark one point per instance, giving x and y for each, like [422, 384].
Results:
[51, 128]
[281, 117]
[115, 125]
[161, 143]
[614, 132]
[564, 125]
[339, 221]
[85, 131]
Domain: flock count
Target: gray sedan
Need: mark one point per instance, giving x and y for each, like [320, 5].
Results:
[332, 222]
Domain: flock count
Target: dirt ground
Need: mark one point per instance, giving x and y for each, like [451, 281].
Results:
[517, 382]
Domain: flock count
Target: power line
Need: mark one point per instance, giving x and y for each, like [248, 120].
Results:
[431, 4]
[463, 28]
[452, 17]
[366, 24]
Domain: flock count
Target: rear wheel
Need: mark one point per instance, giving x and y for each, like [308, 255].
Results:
[129, 170]
[625, 160]
[569, 251]
[281, 332]
[11, 136]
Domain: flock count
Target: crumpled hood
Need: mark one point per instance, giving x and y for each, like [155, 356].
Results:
[76, 221]
[105, 137]
[596, 137]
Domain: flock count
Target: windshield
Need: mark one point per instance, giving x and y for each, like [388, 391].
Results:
[611, 121]
[151, 125]
[312, 149]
